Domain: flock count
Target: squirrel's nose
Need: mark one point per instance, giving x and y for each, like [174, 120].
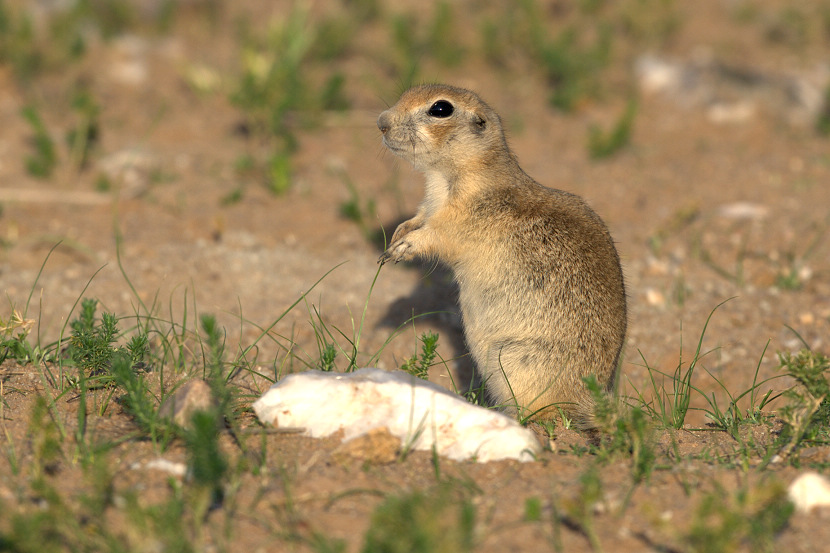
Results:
[384, 122]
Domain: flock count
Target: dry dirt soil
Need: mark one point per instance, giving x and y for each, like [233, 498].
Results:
[722, 194]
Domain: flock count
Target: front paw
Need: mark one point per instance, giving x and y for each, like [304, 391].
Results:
[405, 228]
[398, 251]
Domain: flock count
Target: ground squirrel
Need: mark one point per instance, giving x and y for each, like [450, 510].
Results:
[540, 285]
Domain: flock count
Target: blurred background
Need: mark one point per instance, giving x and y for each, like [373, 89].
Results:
[214, 156]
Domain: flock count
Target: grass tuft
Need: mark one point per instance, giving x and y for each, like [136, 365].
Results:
[823, 118]
[670, 407]
[580, 511]
[14, 338]
[43, 159]
[438, 520]
[807, 413]
[572, 67]
[623, 430]
[726, 522]
[91, 345]
[602, 145]
[418, 365]
[206, 462]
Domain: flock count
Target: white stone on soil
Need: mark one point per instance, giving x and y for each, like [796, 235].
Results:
[164, 465]
[420, 413]
[808, 491]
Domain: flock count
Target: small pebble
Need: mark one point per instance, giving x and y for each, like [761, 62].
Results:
[170, 467]
[808, 491]
[655, 297]
[743, 211]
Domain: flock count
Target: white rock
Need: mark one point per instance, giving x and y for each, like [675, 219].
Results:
[164, 465]
[743, 211]
[420, 413]
[131, 168]
[731, 112]
[658, 75]
[655, 297]
[808, 491]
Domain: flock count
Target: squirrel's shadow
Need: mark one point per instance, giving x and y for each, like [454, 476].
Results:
[434, 302]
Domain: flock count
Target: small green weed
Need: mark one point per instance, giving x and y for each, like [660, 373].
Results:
[681, 219]
[364, 214]
[330, 339]
[110, 18]
[277, 92]
[671, 406]
[602, 145]
[328, 346]
[789, 279]
[724, 522]
[215, 370]
[14, 331]
[792, 265]
[272, 85]
[327, 357]
[138, 400]
[680, 291]
[234, 196]
[732, 417]
[408, 50]
[91, 346]
[442, 36]
[571, 67]
[56, 525]
[14, 342]
[623, 430]
[332, 95]
[653, 22]
[415, 41]
[278, 172]
[17, 43]
[207, 464]
[823, 118]
[83, 138]
[41, 163]
[46, 438]
[100, 362]
[736, 274]
[533, 509]
[807, 413]
[418, 365]
[493, 43]
[476, 395]
[323, 544]
[579, 511]
[439, 520]
[789, 27]
[334, 35]
[57, 37]
[165, 525]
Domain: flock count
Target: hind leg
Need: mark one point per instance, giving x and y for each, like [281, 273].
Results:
[520, 380]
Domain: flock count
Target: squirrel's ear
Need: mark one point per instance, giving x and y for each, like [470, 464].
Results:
[479, 124]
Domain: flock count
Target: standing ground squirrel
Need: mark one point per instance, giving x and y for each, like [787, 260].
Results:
[540, 284]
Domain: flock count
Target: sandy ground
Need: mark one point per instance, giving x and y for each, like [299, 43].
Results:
[721, 193]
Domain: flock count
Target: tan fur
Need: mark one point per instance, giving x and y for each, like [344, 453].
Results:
[540, 284]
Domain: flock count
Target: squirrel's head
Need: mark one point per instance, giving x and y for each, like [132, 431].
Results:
[443, 128]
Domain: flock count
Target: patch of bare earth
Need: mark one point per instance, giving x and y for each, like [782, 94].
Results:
[702, 210]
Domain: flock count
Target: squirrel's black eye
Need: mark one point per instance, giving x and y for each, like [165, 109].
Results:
[441, 108]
